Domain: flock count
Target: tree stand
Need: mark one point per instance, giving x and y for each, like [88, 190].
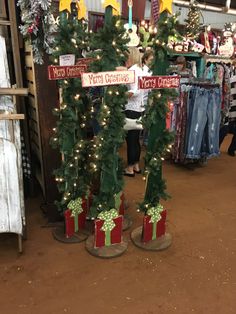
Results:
[59, 235]
[111, 251]
[127, 222]
[73, 230]
[152, 235]
[158, 244]
[107, 241]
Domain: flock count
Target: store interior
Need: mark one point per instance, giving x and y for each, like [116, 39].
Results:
[65, 177]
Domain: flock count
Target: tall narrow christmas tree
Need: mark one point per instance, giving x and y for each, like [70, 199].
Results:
[193, 21]
[110, 43]
[73, 177]
[160, 139]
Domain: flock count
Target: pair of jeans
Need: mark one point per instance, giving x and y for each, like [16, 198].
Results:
[224, 130]
[205, 124]
[133, 140]
[190, 106]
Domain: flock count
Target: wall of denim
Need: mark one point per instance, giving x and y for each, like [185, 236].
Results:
[203, 122]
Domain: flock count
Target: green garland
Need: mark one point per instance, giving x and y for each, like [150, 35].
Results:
[160, 139]
[111, 52]
[74, 113]
[38, 26]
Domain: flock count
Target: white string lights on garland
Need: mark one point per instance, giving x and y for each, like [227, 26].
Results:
[193, 26]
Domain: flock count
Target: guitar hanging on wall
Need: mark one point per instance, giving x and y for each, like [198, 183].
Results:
[131, 29]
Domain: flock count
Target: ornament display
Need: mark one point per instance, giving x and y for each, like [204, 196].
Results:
[145, 38]
[131, 29]
[227, 48]
[226, 45]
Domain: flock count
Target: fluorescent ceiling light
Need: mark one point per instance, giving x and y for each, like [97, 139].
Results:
[205, 7]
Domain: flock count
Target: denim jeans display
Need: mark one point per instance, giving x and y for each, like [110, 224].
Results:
[197, 122]
[205, 124]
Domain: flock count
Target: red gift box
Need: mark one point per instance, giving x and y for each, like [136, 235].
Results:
[70, 220]
[148, 227]
[116, 233]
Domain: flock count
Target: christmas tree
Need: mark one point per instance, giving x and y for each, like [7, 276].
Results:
[193, 21]
[111, 51]
[73, 114]
[38, 26]
[160, 139]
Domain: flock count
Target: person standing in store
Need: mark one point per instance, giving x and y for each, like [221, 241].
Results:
[230, 119]
[136, 107]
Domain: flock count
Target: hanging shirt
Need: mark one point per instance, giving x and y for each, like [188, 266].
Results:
[232, 111]
[136, 102]
[146, 72]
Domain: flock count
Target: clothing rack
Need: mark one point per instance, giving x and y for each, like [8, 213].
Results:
[218, 59]
[202, 84]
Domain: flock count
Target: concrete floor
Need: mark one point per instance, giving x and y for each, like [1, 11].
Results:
[196, 274]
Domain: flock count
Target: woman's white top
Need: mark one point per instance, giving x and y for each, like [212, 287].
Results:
[138, 101]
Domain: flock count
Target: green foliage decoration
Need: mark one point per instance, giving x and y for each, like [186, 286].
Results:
[74, 113]
[193, 25]
[160, 139]
[110, 42]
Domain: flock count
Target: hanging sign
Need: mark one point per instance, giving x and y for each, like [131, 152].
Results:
[85, 61]
[56, 72]
[156, 82]
[108, 78]
[66, 60]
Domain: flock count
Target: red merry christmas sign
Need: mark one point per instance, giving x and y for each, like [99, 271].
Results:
[56, 72]
[156, 82]
[108, 78]
[85, 61]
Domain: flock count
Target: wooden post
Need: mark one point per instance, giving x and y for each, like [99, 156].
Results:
[47, 100]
